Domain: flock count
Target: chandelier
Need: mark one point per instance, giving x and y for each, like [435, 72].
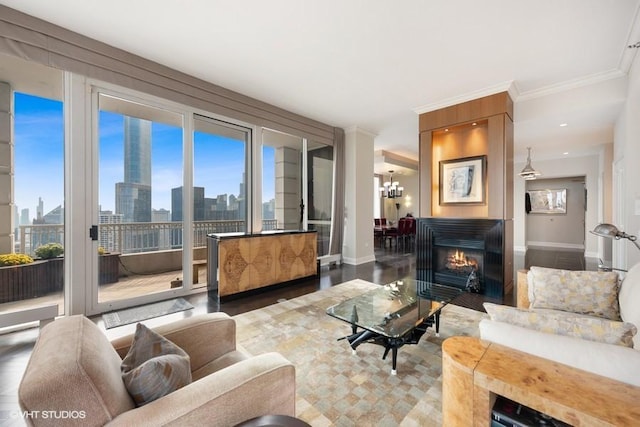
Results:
[391, 189]
[529, 172]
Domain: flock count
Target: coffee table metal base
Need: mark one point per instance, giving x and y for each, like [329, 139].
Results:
[391, 343]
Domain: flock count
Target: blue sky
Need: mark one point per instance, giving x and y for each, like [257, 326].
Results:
[39, 158]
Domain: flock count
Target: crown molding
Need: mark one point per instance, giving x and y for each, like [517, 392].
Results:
[628, 54]
[470, 96]
[571, 84]
[517, 95]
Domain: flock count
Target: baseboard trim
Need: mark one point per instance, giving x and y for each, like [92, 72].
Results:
[555, 245]
[330, 259]
[358, 261]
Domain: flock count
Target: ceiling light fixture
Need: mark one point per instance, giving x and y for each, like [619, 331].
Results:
[562, 125]
[529, 173]
[391, 189]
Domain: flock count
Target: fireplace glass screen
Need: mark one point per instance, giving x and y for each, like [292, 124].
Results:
[455, 265]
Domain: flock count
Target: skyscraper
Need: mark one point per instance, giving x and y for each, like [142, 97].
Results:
[198, 204]
[24, 216]
[133, 196]
[107, 238]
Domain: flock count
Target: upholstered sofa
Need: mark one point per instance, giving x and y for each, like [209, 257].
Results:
[588, 321]
[74, 378]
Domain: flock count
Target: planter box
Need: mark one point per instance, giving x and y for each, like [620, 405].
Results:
[43, 277]
[109, 267]
[20, 282]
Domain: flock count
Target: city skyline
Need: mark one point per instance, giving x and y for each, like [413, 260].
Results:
[39, 140]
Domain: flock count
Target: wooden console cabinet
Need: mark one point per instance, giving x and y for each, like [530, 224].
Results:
[475, 372]
[242, 262]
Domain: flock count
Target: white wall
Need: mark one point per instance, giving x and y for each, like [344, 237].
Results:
[409, 202]
[588, 166]
[627, 152]
[358, 197]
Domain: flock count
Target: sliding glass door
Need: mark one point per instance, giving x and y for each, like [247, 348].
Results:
[220, 190]
[140, 170]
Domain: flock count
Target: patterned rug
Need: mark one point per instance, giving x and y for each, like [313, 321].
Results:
[336, 388]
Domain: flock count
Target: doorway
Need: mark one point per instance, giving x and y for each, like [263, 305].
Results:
[555, 222]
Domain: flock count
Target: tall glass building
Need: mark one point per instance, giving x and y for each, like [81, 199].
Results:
[133, 196]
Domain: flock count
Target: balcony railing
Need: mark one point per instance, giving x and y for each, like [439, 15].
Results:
[135, 236]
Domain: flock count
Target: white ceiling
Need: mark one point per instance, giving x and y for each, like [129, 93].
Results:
[375, 64]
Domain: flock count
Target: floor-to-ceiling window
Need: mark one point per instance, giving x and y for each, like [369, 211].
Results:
[32, 202]
[140, 181]
[145, 152]
[220, 190]
[377, 198]
[320, 192]
[282, 200]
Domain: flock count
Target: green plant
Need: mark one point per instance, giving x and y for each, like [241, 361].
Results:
[14, 259]
[50, 250]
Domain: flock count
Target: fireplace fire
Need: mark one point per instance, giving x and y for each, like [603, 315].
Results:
[458, 266]
[457, 262]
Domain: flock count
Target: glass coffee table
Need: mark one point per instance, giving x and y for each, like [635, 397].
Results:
[396, 314]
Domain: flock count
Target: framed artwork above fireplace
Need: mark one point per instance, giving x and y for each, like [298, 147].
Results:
[463, 180]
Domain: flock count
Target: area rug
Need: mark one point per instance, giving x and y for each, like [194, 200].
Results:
[144, 312]
[335, 387]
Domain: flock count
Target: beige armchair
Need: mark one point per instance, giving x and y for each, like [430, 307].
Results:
[73, 378]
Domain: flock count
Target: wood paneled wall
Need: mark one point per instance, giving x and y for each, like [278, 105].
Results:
[480, 127]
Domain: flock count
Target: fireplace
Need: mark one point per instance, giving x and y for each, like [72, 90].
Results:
[467, 253]
[458, 265]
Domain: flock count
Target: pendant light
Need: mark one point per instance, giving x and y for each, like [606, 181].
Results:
[529, 172]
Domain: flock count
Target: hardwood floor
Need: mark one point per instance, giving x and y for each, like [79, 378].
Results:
[566, 259]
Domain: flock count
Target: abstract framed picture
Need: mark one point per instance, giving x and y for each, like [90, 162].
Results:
[548, 201]
[463, 180]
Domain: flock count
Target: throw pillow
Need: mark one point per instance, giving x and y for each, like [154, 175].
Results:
[154, 366]
[629, 298]
[586, 292]
[560, 323]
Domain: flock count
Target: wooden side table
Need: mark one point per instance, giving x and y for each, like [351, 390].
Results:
[475, 372]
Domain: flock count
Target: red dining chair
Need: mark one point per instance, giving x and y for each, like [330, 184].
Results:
[394, 233]
[409, 230]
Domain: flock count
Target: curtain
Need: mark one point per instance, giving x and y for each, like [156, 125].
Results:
[337, 223]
